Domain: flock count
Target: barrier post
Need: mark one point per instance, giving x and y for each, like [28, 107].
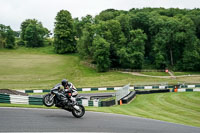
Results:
[120, 102]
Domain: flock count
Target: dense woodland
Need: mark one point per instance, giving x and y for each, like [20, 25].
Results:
[139, 38]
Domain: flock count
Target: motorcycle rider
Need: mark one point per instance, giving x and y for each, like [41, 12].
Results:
[69, 87]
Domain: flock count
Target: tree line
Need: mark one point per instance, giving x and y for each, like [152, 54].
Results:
[139, 38]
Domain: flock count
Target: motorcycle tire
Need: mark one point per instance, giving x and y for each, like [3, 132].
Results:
[46, 100]
[79, 114]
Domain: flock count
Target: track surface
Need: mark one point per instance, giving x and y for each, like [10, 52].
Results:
[55, 120]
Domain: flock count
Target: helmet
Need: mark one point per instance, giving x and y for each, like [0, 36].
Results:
[64, 82]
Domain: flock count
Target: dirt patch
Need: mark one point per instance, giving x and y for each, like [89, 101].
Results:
[8, 91]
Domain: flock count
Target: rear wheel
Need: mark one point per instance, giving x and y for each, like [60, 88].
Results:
[80, 112]
[48, 100]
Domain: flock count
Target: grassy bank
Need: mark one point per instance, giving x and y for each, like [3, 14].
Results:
[40, 68]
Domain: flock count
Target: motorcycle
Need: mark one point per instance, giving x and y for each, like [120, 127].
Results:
[55, 98]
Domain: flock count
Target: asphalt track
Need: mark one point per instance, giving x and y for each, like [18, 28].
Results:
[55, 120]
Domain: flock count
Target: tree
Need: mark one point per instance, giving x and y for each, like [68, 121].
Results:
[33, 34]
[158, 37]
[63, 33]
[84, 45]
[132, 56]
[125, 25]
[24, 25]
[79, 25]
[140, 20]
[7, 38]
[191, 52]
[108, 14]
[101, 53]
[111, 31]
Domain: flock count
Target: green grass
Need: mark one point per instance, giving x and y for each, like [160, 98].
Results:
[186, 73]
[182, 108]
[156, 73]
[40, 68]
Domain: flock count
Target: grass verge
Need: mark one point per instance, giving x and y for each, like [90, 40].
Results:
[186, 73]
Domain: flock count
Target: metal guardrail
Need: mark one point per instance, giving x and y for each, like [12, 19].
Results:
[122, 92]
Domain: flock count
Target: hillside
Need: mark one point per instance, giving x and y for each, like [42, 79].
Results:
[40, 68]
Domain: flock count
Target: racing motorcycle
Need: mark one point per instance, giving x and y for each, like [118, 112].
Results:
[55, 97]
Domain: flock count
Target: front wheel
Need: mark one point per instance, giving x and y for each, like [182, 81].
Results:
[48, 100]
[80, 112]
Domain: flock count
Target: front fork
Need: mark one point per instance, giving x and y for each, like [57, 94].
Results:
[51, 97]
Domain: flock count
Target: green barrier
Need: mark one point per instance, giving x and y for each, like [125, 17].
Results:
[139, 87]
[170, 86]
[46, 90]
[189, 90]
[94, 89]
[79, 89]
[35, 101]
[110, 88]
[197, 85]
[155, 87]
[80, 102]
[28, 91]
[99, 104]
[4, 98]
[90, 103]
